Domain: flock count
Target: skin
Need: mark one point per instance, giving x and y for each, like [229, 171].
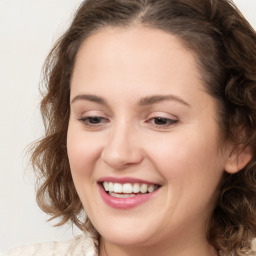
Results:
[182, 153]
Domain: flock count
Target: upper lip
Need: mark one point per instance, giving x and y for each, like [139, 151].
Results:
[123, 180]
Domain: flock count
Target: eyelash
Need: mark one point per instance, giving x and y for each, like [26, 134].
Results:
[87, 120]
[96, 121]
[167, 122]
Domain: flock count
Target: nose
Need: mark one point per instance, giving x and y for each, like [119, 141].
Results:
[122, 149]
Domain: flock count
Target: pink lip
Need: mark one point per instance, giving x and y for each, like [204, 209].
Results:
[125, 203]
[123, 180]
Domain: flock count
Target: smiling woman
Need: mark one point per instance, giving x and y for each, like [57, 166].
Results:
[151, 130]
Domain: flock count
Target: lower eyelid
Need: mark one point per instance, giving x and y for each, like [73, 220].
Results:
[86, 120]
[170, 120]
[103, 120]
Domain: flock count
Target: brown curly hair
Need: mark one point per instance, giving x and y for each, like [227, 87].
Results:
[225, 46]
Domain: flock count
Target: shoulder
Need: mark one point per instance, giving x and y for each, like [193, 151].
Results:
[80, 245]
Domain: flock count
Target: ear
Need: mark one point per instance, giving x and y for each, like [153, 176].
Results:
[238, 158]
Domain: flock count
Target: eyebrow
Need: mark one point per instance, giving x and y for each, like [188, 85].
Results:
[89, 97]
[149, 100]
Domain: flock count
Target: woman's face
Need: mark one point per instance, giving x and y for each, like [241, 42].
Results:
[141, 120]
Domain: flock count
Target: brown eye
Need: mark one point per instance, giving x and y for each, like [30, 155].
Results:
[93, 120]
[161, 121]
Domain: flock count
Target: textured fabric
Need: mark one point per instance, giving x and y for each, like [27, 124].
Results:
[82, 245]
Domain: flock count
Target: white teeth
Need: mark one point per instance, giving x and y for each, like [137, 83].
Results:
[128, 188]
[144, 188]
[136, 188]
[105, 185]
[118, 188]
[110, 187]
[151, 188]
[121, 195]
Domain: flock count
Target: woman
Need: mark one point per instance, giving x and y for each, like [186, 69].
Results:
[150, 115]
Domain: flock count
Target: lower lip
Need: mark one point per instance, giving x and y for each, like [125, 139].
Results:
[125, 203]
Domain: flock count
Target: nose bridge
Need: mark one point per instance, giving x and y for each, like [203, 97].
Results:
[122, 147]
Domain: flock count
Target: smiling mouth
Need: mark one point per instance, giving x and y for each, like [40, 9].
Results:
[127, 190]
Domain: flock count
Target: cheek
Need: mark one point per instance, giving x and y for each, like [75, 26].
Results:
[192, 169]
[83, 151]
[188, 158]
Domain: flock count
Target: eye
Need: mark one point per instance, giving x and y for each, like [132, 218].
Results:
[93, 120]
[162, 121]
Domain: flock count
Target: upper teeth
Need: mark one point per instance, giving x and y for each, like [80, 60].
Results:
[128, 187]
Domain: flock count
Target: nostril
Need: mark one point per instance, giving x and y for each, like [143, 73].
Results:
[121, 150]
[120, 160]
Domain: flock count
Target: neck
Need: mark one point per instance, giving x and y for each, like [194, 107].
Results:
[185, 248]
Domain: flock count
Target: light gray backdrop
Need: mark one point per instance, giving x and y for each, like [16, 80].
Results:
[28, 29]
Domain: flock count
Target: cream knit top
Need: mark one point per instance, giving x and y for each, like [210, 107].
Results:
[81, 245]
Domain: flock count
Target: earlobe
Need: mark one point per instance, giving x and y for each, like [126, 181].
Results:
[239, 157]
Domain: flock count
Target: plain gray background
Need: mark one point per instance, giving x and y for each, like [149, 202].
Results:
[28, 28]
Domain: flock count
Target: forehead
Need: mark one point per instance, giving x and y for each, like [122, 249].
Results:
[134, 63]
[128, 55]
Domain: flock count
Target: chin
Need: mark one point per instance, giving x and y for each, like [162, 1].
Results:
[127, 233]
[125, 238]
